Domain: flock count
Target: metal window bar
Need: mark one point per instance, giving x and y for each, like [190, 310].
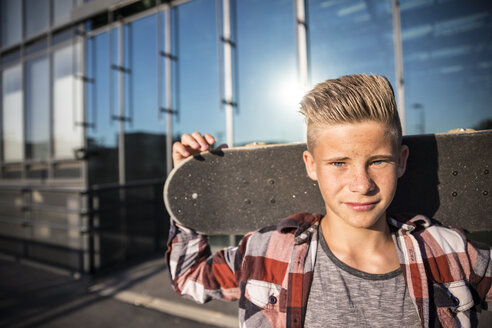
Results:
[51, 102]
[121, 99]
[94, 88]
[220, 59]
[159, 66]
[302, 50]
[228, 92]
[235, 65]
[24, 117]
[80, 74]
[74, 82]
[400, 90]
[218, 31]
[121, 69]
[130, 75]
[301, 22]
[177, 68]
[110, 55]
[168, 86]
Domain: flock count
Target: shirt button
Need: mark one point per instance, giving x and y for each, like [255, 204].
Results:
[272, 300]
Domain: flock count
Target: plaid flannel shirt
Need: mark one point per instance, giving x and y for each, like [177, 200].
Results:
[270, 272]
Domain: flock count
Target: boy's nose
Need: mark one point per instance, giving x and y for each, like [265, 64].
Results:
[362, 183]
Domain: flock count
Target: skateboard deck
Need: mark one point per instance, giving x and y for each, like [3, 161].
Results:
[236, 190]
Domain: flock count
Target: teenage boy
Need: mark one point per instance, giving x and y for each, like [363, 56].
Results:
[355, 266]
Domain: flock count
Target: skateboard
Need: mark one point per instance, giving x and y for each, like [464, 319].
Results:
[236, 190]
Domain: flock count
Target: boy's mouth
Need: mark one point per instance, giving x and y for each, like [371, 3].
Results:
[361, 207]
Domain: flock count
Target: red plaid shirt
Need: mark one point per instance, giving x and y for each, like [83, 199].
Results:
[270, 272]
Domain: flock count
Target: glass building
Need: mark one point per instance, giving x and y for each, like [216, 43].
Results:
[93, 93]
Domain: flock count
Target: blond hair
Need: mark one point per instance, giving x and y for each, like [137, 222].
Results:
[351, 99]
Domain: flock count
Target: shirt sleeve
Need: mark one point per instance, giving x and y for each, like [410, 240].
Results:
[195, 272]
[480, 256]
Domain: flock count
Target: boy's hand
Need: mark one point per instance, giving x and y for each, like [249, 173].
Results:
[191, 145]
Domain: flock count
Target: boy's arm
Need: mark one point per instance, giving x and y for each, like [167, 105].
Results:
[195, 272]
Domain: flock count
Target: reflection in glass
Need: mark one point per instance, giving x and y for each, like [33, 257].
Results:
[37, 109]
[268, 86]
[102, 134]
[197, 84]
[61, 11]
[10, 57]
[67, 102]
[144, 135]
[62, 36]
[351, 37]
[37, 16]
[447, 55]
[11, 20]
[12, 123]
[36, 46]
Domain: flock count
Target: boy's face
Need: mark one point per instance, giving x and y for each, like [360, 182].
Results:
[357, 166]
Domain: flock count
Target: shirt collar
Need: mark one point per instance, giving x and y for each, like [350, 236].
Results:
[303, 223]
[408, 222]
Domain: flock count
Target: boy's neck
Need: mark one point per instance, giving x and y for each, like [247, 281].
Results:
[371, 250]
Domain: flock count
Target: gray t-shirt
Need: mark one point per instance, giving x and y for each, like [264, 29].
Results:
[342, 296]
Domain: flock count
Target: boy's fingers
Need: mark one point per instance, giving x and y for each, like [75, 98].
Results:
[190, 145]
[190, 141]
[180, 150]
[201, 140]
[210, 139]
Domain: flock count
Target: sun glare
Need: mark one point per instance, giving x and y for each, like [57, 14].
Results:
[289, 93]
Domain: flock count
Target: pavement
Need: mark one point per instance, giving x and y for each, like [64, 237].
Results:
[33, 295]
[138, 295]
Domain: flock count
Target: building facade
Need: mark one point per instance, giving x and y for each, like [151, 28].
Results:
[93, 93]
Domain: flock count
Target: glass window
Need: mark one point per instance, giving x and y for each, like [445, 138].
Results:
[350, 37]
[37, 109]
[61, 11]
[10, 57]
[197, 77]
[267, 73]
[12, 123]
[62, 36]
[11, 20]
[37, 16]
[67, 97]
[145, 137]
[36, 47]
[102, 134]
[447, 54]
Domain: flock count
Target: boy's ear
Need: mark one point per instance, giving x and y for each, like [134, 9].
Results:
[310, 165]
[402, 160]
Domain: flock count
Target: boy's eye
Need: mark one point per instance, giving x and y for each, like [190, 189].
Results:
[381, 162]
[337, 163]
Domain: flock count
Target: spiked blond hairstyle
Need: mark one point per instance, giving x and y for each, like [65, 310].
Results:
[351, 99]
